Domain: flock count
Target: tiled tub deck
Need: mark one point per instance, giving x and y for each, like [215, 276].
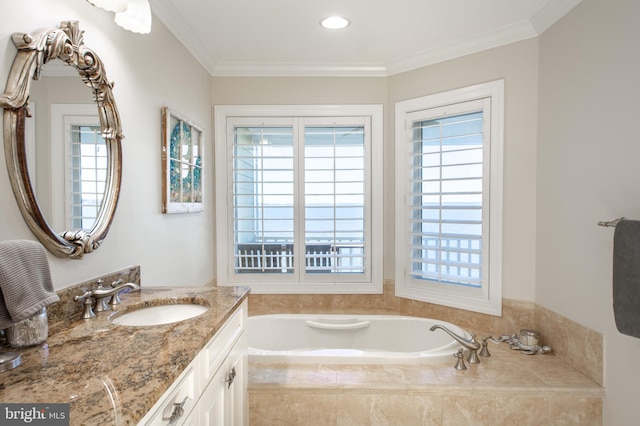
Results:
[508, 388]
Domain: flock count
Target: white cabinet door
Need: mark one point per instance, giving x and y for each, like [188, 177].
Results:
[237, 398]
[211, 408]
[224, 401]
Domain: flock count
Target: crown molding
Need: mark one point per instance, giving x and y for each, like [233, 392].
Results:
[499, 37]
[181, 30]
[551, 13]
[274, 69]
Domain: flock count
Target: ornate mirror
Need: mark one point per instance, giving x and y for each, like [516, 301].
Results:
[64, 44]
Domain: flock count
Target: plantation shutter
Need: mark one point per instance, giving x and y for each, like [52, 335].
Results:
[334, 199]
[263, 199]
[87, 173]
[448, 203]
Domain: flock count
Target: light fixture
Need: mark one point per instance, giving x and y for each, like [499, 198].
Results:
[110, 5]
[334, 23]
[137, 17]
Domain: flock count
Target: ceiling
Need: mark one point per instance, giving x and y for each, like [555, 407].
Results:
[386, 37]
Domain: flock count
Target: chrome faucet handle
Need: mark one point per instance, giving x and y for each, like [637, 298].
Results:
[101, 306]
[460, 360]
[484, 352]
[87, 300]
[115, 299]
[101, 293]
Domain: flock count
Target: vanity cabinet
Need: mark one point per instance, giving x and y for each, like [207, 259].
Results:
[212, 390]
[223, 402]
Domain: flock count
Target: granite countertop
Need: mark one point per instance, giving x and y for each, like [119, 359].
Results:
[112, 374]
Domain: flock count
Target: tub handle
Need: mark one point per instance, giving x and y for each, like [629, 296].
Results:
[338, 326]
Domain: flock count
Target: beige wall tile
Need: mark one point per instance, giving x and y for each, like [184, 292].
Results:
[578, 346]
[462, 410]
[575, 411]
[516, 314]
[266, 409]
[363, 410]
[522, 411]
[415, 410]
[315, 409]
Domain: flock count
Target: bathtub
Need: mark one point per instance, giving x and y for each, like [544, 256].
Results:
[349, 339]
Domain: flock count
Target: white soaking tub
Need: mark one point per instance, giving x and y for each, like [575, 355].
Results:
[347, 339]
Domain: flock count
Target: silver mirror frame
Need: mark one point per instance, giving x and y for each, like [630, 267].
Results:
[65, 43]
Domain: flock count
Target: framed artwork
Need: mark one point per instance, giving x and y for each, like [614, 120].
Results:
[181, 164]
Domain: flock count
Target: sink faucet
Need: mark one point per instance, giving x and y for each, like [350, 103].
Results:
[471, 344]
[99, 294]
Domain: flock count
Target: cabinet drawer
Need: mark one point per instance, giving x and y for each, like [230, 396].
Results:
[183, 392]
[218, 348]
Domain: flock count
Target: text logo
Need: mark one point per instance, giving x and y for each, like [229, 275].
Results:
[34, 414]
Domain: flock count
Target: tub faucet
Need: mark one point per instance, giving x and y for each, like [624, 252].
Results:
[471, 344]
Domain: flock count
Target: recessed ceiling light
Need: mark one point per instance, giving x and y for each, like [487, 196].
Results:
[334, 23]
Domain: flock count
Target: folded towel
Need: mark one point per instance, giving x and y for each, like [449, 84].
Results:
[626, 277]
[25, 281]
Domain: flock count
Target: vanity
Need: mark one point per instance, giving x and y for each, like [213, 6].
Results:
[194, 370]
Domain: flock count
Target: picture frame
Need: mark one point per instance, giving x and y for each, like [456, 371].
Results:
[182, 164]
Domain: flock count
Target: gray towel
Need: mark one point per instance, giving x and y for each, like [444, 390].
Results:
[626, 277]
[25, 281]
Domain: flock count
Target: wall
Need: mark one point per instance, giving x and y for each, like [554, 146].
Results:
[588, 150]
[149, 71]
[517, 65]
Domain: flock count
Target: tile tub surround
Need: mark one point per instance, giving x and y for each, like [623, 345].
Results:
[112, 374]
[578, 346]
[505, 389]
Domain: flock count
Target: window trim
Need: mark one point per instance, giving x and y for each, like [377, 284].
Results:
[488, 299]
[224, 233]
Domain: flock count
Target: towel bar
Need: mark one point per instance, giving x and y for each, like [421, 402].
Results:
[611, 223]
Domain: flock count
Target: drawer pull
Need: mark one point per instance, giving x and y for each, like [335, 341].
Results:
[231, 377]
[178, 411]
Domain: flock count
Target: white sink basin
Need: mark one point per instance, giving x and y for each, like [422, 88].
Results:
[158, 315]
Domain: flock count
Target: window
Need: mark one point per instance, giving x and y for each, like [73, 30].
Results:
[298, 198]
[78, 166]
[449, 198]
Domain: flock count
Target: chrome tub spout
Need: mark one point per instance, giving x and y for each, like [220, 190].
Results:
[471, 344]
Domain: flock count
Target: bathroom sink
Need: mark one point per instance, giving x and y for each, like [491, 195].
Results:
[159, 315]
